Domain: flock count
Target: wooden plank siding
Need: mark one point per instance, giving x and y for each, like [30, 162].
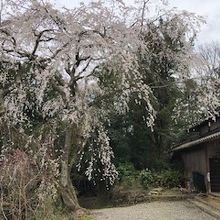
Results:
[194, 161]
[201, 155]
[197, 159]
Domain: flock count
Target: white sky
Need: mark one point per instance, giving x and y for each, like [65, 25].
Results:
[210, 9]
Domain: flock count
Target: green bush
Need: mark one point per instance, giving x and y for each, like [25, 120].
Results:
[127, 175]
[169, 178]
[165, 178]
[147, 178]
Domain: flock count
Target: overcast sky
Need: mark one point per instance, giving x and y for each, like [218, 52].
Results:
[210, 9]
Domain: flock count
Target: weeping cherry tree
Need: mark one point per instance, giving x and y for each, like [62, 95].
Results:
[52, 67]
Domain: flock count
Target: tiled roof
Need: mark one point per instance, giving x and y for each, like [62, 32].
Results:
[198, 141]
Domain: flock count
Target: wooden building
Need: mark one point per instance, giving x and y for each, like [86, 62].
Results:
[201, 155]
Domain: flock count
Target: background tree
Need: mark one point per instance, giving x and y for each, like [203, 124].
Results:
[168, 45]
[200, 92]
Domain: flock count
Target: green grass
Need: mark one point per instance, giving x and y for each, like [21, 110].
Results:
[86, 218]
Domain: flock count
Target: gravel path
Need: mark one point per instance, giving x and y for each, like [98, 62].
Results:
[180, 210]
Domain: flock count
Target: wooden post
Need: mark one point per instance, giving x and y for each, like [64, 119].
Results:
[207, 176]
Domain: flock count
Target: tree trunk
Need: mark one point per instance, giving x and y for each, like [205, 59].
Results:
[69, 196]
[67, 190]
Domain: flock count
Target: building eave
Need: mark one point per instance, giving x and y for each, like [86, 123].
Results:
[198, 141]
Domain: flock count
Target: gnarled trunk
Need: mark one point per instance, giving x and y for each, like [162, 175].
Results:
[68, 193]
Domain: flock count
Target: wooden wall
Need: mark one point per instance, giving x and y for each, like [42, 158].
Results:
[213, 149]
[195, 161]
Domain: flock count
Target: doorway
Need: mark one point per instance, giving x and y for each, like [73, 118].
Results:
[215, 174]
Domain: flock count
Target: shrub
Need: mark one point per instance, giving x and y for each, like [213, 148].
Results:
[165, 178]
[169, 178]
[27, 186]
[127, 175]
[147, 178]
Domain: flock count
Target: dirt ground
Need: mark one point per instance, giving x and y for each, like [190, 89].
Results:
[176, 210]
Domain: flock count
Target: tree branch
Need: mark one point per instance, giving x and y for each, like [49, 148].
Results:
[38, 40]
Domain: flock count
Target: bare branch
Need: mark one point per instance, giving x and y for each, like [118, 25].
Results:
[38, 40]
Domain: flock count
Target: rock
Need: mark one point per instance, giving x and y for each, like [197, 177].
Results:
[159, 189]
[156, 191]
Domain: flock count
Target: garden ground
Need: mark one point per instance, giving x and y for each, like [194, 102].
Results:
[175, 210]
